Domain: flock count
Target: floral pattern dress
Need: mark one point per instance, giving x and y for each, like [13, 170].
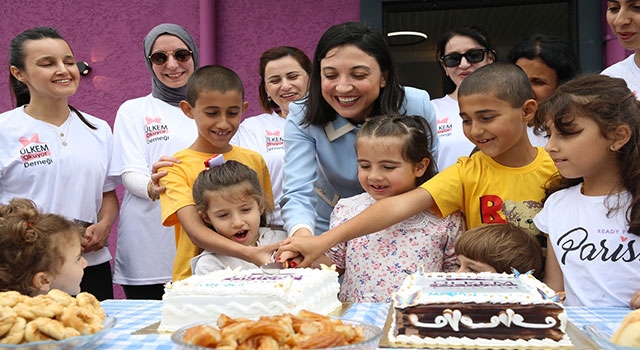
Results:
[376, 264]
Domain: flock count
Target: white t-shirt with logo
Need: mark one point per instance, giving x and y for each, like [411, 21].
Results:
[263, 134]
[66, 180]
[453, 143]
[145, 129]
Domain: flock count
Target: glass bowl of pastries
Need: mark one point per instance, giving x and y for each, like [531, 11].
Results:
[306, 330]
[619, 336]
[50, 321]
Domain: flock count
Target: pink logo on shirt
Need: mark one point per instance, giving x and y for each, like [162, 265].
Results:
[33, 152]
[155, 130]
[274, 140]
[444, 127]
[272, 133]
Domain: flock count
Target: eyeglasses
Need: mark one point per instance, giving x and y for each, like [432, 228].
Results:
[473, 56]
[160, 57]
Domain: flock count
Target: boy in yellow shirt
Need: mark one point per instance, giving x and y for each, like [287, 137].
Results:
[496, 103]
[215, 101]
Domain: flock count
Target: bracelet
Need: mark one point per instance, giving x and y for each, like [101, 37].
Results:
[152, 196]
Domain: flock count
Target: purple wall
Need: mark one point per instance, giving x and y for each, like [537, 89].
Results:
[108, 35]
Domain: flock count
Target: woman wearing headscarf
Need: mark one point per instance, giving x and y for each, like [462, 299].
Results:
[145, 129]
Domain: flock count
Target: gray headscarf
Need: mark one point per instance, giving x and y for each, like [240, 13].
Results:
[172, 96]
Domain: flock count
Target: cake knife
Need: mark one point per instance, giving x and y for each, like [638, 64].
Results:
[273, 268]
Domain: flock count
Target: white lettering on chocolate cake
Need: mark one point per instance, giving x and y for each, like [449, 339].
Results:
[454, 319]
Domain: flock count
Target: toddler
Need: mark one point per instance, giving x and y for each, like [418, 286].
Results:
[229, 199]
[498, 248]
[393, 153]
[38, 251]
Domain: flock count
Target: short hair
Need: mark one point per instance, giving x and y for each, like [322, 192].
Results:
[503, 246]
[31, 242]
[415, 132]
[371, 42]
[554, 51]
[273, 54]
[475, 33]
[505, 81]
[221, 178]
[212, 78]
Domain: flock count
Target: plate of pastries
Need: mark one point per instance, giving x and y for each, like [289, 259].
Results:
[55, 320]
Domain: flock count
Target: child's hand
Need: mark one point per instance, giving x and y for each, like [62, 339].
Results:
[293, 257]
[635, 301]
[154, 187]
[262, 254]
[309, 247]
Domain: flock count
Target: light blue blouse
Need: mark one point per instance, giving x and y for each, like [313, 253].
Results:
[321, 164]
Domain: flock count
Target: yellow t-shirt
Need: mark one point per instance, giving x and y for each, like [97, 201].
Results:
[488, 192]
[179, 182]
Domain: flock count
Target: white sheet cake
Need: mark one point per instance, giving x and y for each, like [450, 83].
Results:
[248, 293]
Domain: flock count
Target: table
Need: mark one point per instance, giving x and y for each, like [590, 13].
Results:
[133, 315]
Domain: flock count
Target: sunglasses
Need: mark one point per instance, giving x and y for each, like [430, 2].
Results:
[160, 57]
[472, 56]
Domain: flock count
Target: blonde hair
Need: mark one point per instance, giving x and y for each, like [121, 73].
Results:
[503, 246]
[31, 242]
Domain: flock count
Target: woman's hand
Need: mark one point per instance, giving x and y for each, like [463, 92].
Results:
[95, 237]
[154, 190]
[635, 300]
[305, 246]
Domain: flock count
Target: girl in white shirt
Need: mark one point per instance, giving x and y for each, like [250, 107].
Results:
[592, 210]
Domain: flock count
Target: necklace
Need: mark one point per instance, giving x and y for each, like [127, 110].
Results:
[63, 135]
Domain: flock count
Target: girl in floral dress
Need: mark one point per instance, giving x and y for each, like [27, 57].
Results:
[393, 158]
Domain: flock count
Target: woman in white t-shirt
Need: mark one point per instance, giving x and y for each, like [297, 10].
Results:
[460, 52]
[548, 61]
[56, 155]
[145, 129]
[624, 20]
[284, 78]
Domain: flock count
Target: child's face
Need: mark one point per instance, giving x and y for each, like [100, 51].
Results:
[585, 153]
[382, 170]
[470, 265]
[70, 274]
[624, 20]
[351, 81]
[217, 115]
[496, 128]
[232, 216]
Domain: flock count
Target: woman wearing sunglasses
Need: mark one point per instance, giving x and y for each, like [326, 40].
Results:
[460, 52]
[145, 129]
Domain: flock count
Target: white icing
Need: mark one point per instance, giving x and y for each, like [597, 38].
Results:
[247, 293]
[428, 288]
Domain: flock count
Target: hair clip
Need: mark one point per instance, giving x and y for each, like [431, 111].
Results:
[214, 161]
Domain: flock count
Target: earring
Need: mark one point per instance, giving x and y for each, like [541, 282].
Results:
[613, 148]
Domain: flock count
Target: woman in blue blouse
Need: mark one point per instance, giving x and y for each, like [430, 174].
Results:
[353, 78]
